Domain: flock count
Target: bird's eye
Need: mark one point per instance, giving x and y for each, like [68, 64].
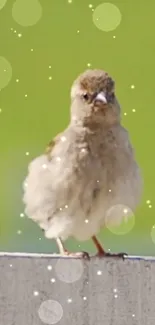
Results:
[85, 96]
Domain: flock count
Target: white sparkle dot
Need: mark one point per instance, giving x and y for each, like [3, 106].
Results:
[78, 31]
[52, 280]
[148, 202]
[50, 78]
[49, 66]
[125, 211]
[125, 114]
[63, 139]
[60, 209]
[15, 31]
[88, 64]
[86, 220]
[99, 272]
[116, 296]
[114, 36]
[83, 150]
[133, 110]
[133, 315]
[39, 238]
[58, 159]
[109, 190]
[69, 300]
[49, 267]
[44, 166]
[19, 232]
[10, 265]
[115, 290]
[31, 50]
[150, 206]
[84, 298]
[25, 184]
[17, 80]
[90, 6]
[66, 206]
[27, 153]
[98, 181]
[36, 293]
[21, 215]
[25, 95]
[132, 86]
[11, 28]
[0, 110]
[19, 35]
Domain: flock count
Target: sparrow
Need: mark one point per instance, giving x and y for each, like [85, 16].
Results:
[85, 171]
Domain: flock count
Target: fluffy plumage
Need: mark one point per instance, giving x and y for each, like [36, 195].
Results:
[87, 169]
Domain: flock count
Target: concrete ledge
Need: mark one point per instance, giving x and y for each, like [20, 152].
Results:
[38, 289]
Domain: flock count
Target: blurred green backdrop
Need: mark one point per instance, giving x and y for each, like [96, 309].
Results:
[43, 47]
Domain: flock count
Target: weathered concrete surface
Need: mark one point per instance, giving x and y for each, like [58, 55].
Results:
[42, 289]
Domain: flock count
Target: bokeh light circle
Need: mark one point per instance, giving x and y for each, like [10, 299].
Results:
[153, 234]
[50, 312]
[2, 3]
[69, 271]
[119, 219]
[5, 72]
[107, 17]
[26, 12]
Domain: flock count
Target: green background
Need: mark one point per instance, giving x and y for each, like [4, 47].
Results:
[27, 124]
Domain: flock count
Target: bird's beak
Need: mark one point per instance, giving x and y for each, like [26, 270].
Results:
[101, 97]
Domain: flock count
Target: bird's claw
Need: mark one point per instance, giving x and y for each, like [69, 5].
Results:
[116, 255]
[82, 255]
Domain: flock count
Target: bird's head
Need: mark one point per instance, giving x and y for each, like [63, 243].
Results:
[93, 99]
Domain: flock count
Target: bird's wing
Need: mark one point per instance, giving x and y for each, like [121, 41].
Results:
[51, 145]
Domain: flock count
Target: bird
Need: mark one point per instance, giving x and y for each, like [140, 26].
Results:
[86, 171]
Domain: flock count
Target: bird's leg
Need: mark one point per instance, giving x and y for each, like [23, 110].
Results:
[64, 252]
[102, 253]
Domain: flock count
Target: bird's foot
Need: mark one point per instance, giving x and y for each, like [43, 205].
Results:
[82, 255]
[115, 255]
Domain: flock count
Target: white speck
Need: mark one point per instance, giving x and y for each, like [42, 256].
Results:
[63, 139]
[98, 181]
[19, 35]
[92, 10]
[90, 6]
[114, 36]
[11, 28]
[36, 293]
[88, 65]
[99, 272]
[49, 66]
[86, 220]
[49, 267]
[115, 290]
[27, 153]
[21, 215]
[17, 80]
[133, 315]
[58, 159]
[19, 232]
[125, 211]
[69, 300]
[25, 184]
[10, 265]
[39, 238]
[109, 190]
[66, 206]
[116, 296]
[50, 78]
[148, 202]
[150, 206]
[44, 166]
[52, 280]
[60, 209]
[25, 95]
[31, 50]
[83, 150]
[132, 86]
[125, 114]
[84, 298]
[69, 1]
[15, 31]
[133, 110]
[0, 110]
[78, 31]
